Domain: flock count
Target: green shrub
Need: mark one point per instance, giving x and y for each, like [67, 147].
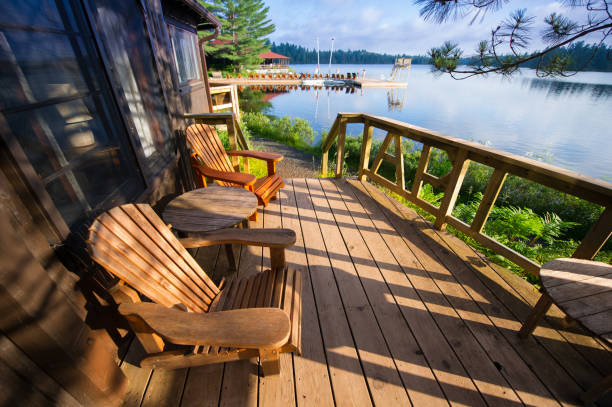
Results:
[293, 132]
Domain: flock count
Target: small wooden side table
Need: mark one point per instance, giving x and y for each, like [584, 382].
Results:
[209, 209]
[583, 290]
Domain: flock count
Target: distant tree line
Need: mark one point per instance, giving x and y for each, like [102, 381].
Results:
[302, 55]
[582, 56]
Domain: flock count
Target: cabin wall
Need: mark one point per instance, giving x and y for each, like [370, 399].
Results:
[79, 135]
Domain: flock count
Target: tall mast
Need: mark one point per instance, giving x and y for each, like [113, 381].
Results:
[330, 55]
[317, 55]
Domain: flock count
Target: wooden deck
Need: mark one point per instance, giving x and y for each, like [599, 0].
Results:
[395, 313]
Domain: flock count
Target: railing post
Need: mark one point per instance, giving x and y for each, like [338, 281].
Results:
[484, 209]
[366, 147]
[460, 167]
[421, 169]
[235, 102]
[324, 163]
[596, 237]
[340, 148]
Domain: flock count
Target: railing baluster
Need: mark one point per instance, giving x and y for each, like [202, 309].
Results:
[596, 237]
[366, 147]
[399, 162]
[418, 177]
[460, 167]
[381, 153]
[484, 209]
[340, 148]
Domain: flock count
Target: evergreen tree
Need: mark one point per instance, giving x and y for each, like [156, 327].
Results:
[244, 27]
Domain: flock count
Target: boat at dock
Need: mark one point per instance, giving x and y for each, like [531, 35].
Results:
[313, 82]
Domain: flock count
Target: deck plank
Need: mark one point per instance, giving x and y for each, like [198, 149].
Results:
[165, 388]
[138, 378]
[202, 386]
[384, 381]
[497, 344]
[241, 379]
[418, 377]
[276, 390]
[349, 384]
[312, 383]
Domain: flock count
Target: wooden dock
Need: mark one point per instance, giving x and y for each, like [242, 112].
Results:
[359, 82]
[395, 313]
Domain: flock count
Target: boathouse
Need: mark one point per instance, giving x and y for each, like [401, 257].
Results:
[273, 63]
[393, 310]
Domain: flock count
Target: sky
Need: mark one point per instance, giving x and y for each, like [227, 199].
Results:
[393, 27]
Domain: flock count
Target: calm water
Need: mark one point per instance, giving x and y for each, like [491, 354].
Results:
[565, 122]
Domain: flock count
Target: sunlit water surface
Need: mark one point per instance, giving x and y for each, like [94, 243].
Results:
[564, 122]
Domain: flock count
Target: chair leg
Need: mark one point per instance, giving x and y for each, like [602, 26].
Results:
[270, 361]
[538, 312]
[253, 217]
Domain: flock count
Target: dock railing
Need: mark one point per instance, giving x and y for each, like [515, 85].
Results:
[460, 153]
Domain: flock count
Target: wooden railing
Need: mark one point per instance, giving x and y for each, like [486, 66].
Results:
[234, 131]
[461, 153]
[225, 97]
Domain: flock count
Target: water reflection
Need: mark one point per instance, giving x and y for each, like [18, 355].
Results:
[556, 88]
[395, 99]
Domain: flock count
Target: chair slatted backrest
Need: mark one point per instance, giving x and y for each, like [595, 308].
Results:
[205, 142]
[134, 244]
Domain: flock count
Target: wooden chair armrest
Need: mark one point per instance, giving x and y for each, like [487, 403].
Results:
[260, 155]
[238, 178]
[274, 238]
[255, 328]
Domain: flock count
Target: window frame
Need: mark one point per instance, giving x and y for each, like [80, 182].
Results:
[191, 83]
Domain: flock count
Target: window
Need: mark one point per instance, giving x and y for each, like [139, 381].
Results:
[124, 36]
[185, 46]
[60, 115]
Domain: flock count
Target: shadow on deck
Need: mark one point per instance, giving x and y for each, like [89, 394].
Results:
[394, 313]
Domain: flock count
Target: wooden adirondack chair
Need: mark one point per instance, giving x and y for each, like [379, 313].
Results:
[209, 159]
[191, 320]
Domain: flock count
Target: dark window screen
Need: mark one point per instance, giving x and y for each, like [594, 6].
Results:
[59, 108]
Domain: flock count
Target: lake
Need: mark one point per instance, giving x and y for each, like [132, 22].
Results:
[566, 122]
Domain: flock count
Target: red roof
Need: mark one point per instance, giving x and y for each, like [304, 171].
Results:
[221, 42]
[271, 55]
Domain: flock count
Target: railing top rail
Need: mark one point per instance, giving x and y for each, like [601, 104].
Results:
[220, 89]
[591, 189]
